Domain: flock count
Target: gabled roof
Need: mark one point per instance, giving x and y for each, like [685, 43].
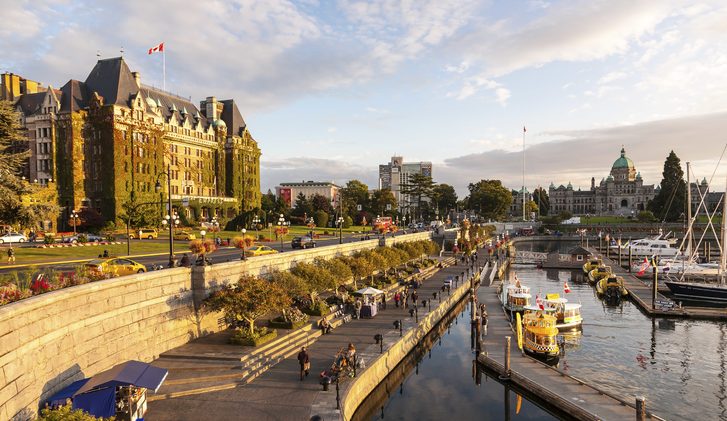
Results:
[170, 106]
[113, 80]
[74, 96]
[232, 117]
[30, 103]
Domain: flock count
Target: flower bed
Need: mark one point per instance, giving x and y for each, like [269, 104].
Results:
[260, 337]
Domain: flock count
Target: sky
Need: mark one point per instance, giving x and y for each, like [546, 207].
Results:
[331, 89]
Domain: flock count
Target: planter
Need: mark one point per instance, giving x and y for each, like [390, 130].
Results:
[260, 340]
[280, 324]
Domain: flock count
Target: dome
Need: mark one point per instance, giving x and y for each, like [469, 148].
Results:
[570, 186]
[638, 176]
[609, 178]
[219, 123]
[622, 161]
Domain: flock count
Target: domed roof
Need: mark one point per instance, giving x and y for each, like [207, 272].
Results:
[623, 162]
[219, 123]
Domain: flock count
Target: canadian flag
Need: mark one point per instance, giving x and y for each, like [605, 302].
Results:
[524, 130]
[566, 288]
[644, 266]
[539, 302]
[158, 49]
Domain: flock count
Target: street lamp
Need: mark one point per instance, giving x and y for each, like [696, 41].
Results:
[74, 216]
[215, 226]
[256, 222]
[243, 243]
[172, 219]
[340, 229]
[281, 227]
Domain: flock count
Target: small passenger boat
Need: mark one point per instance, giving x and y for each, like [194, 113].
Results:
[599, 273]
[540, 336]
[591, 264]
[612, 288]
[516, 298]
[568, 315]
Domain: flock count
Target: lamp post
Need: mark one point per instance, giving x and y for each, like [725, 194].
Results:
[256, 222]
[173, 219]
[340, 229]
[281, 226]
[215, 226]
[243, 243]
[74, 216]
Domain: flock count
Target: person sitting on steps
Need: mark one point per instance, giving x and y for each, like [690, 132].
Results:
[325, 326]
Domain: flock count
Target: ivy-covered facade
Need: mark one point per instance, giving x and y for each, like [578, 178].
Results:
[115, 137]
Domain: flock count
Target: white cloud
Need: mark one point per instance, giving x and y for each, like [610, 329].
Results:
[611, 77]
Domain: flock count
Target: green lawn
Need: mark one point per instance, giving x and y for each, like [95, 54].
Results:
[292, 231]
[28, 255]
[605, 220]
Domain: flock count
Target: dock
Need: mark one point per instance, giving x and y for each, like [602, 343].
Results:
[640, 293]
[578, 398]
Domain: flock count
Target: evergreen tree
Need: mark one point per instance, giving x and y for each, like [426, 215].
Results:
[541, 199]
[490, 199]
[671, 202]
[418, 188]
[302, 206]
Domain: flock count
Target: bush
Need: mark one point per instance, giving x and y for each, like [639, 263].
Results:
[82, 238]
[280, 323]
[646, 216]
[66, 413]
[320, 218]
[49, 239]
[259, 337]
[320, 308]
[347, 222]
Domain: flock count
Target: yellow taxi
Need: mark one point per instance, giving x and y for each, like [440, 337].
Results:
[259, 250]
[146, 233]
[184, 236]
[114, 267]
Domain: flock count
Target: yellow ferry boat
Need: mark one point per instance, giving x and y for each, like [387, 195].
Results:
[598, 273]
[568, 315]
[591, 264]
[612, 287]
[540, 336]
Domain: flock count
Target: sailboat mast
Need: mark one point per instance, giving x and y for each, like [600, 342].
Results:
[723, 255]
[689, 215]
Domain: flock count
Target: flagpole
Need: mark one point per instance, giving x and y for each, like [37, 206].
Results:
[164, 70]
[523, 190]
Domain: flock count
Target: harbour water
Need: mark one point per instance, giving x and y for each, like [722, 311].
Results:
[679, 365]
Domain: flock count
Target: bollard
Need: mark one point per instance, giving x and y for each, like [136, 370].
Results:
[506, 374]
[630, 261]
[654, 287]
[429, 304]
[640, 408]
[354, 364]
[619, 257]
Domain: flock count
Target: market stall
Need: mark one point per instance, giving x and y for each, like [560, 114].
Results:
[370, 299]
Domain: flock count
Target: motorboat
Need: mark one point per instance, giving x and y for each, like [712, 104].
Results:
[568, 315]
[591, 264]
[516, 297]
[648, 247]
[599, 273]
[612, 288]
[698, 291]
[540, 336]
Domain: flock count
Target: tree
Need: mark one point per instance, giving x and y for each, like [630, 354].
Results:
[316, 279]
[21, 202]
[445, 198]
[139, 214]
[293, 286]
[530, 208]
[248, 300]
[361, 268]
[646, 216]
[302, 206]
[340, 271]
[354, 194]
[320, 218]
[67, 413]
[490, 199]
[540, 197]
[418, 187]
[320, 203]
[671, 201]
[383, 202]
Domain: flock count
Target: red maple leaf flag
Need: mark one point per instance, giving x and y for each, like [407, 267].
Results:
[524, 129]
[539, 302]
[157, 49]
[566, 288]
[645, 265]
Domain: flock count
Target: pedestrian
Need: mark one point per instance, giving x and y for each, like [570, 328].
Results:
[184, 261]
[304, 361]
[325, 326]
[350, 353]
[357, 305]
[404, 298]
[397, 297]
[414, 297]
[11, 256]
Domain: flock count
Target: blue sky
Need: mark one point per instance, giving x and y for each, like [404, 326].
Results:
[331, 89]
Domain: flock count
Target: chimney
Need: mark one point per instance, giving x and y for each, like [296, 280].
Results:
[137, 79]
[593, 183]
[211, 109]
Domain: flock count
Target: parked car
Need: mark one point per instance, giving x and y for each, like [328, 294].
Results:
[91, 238]
[302, 242]
[184, 236]
[13, 237]
[259, 250]
[149, 233]
[114, 267]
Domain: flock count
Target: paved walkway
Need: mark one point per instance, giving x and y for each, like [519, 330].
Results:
[278, 394]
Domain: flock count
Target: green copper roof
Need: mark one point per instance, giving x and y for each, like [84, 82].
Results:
[623, 162]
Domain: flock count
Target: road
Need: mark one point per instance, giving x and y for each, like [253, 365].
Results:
[221, 255]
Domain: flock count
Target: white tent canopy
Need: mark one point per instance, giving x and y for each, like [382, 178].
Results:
[369, 291]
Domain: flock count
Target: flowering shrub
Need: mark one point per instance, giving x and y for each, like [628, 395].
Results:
[243, 242]
[10, 294]
[202, 246]
[40, 284]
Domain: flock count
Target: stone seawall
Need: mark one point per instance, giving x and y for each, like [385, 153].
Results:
[51, 340]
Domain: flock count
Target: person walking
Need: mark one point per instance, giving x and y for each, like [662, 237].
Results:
[304, 361]
[11, 256]
[357, 305]
[350, 353]
[397, 297]
[404, 298]
[414, 297]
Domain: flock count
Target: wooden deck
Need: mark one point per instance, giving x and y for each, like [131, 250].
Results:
[567, 393]
[640, 293]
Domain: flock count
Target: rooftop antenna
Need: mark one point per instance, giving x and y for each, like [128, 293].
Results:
[122, 52]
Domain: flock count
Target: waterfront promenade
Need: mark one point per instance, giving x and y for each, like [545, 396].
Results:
[277, 394]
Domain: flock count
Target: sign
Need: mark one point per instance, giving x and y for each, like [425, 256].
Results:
[388, 206]
[358, 207]
[665, 304]
[508, 226]
[185, 202]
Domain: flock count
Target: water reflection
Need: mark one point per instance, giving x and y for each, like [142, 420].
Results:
[678, 364]
[447, 384]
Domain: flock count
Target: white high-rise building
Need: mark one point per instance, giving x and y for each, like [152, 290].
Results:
[396, 174]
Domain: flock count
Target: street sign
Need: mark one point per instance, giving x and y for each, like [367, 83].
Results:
[388, 206]
[358, 207]
[185, 202]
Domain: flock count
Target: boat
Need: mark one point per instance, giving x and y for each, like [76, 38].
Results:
[648, 247]
[599, 273]
[591, 264]
[516, 297]
[540, 336]
[612, 288]
[568, 315]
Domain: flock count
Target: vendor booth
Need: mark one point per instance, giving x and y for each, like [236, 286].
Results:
[118, 392]
[370, 301]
